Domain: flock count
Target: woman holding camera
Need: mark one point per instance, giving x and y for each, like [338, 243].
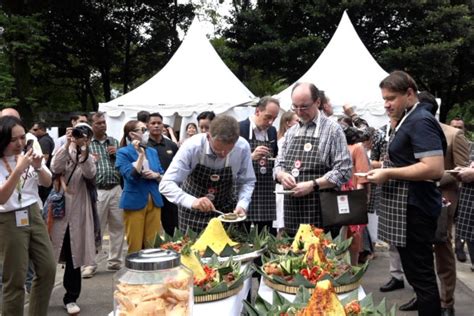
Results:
[23, 234]
[73, 234]
[141, 170]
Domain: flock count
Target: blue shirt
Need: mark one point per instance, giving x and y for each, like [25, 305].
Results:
[190, 154]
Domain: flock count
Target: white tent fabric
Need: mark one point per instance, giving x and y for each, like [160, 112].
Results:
[347, 73]
[194, 80]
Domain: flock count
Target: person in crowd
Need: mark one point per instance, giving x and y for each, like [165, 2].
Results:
[104, 148]
[314, 156]
[457, 155]
[141, 201]
[360, 130]
[74, 235]
[360, 164]
[458, 122]
[203, 173]
[166, 151]
[191, 130]
[465, 226]
[204, 120]
[325, 106]
[168, 133]
[74, 120]
[410, 202]
[287, 120]
[45, 141]
[23, 233]
[143, 116]
[29, 136]
[47, 147]
[262, 137]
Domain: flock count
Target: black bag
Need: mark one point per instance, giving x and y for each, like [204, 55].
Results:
[344, 207]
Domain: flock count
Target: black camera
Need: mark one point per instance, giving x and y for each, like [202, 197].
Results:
[81, 131]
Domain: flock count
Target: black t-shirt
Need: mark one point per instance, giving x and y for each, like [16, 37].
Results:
[166, 150]
[419, 136]
[47, 147]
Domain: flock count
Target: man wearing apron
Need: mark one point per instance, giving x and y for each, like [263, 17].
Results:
[314, 156]
[410, 201]
[262, 137]
[203, 174]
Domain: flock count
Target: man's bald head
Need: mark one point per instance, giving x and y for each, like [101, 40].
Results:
[10, 112]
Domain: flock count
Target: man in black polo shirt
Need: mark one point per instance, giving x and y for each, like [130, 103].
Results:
[410, 202]
[166, 151]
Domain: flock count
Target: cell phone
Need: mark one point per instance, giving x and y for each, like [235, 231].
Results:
[142, 146]
[29, 145]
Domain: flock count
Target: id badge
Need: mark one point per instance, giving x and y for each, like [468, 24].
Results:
[343, 204]
[22, 219]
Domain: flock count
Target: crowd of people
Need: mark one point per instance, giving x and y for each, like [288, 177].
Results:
[59, 198]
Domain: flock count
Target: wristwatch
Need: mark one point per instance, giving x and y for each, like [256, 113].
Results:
[315, 185]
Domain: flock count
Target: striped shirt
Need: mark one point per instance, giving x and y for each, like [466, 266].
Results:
[332, 147]
[106, 175]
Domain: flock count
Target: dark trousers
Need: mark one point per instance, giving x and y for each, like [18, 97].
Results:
[169, 216]
[72, 277]
[417, 261]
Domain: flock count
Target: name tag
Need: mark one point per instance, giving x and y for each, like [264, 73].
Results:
[343, 204]
[22, 219]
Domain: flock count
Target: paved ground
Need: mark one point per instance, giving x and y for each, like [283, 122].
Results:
[96, 296]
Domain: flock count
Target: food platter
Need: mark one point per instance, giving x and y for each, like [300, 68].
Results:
[341, 289]
[285, 192]
[217, 296]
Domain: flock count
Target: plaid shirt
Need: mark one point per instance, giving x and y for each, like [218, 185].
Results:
[106, 172]
[332, 146]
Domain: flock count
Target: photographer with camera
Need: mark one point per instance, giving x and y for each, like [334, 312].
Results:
[75, 234]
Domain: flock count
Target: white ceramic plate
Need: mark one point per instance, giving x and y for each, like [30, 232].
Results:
[453, 172]
[238, 219]
[361, 174]
[289, 192]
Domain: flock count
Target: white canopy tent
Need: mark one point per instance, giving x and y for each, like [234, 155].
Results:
[194, 80]
[347, 73]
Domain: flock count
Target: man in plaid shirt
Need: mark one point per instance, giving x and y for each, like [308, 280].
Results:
[109, 191]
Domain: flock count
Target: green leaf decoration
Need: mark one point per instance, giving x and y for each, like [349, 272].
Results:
[302, 296]
[301, 280]
[261, 304]
[279, 299]
[208, 252]
[251, 311]
[344, 278]
[227, 251]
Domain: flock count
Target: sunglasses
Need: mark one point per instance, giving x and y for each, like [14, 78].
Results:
[143, 130]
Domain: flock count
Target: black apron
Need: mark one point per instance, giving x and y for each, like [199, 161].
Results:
[465, 221]
[217, 185]
[263, 204]
[303, 161]
[392, 226]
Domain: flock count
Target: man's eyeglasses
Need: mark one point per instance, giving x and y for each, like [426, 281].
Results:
[300, 108]
[143, 130]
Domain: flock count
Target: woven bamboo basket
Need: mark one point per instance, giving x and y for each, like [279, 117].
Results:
[293, 289]
[217, 296]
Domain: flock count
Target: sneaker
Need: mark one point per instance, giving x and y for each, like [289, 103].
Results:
[88, 272]
[113, 267]
[72, 308]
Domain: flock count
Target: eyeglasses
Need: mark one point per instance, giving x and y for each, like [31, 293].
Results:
[143, 130]
[300, 108]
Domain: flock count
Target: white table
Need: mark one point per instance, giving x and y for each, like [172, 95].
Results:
[267, 293]
[231, 306]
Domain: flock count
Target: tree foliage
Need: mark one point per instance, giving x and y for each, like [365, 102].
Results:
[61, 55]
